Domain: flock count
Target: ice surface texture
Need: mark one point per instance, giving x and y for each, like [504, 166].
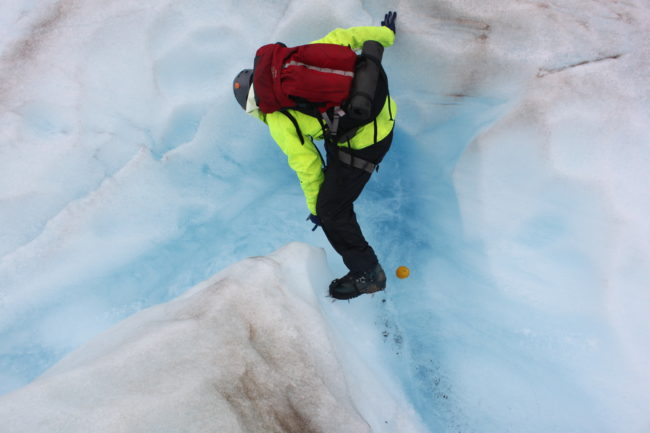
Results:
[246, 351]
[515, 191]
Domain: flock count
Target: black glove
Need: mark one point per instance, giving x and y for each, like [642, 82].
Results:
[314, 219]
[389, 20]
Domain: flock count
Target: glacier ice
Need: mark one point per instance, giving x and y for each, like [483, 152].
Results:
[246, 351]
[516, 191]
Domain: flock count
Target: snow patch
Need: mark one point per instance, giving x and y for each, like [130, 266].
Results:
[246, 351]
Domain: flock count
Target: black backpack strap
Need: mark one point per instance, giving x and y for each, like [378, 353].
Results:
[295, 124]
[356, 162]
[385, 77]
[374, 122]
[299, 132]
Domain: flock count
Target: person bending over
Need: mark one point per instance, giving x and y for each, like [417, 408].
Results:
[321, 92]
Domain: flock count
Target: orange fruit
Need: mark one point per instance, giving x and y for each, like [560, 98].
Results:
[402, 272]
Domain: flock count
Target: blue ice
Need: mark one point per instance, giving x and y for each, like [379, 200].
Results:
[515, 191]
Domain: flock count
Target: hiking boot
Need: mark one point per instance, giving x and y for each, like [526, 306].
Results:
[352, 285]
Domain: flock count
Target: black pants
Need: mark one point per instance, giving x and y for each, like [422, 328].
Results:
[341, 187]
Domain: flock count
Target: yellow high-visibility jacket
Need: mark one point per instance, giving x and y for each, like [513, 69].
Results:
[304, 158]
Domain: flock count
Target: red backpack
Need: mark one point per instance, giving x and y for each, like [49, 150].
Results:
[320, 74]
[330, 82]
